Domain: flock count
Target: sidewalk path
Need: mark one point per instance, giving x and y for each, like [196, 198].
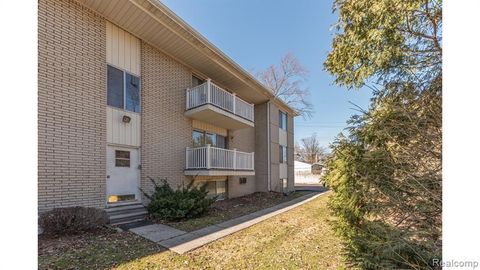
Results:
[181, 242]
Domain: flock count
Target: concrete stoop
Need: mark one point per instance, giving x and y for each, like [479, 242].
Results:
[126, 213]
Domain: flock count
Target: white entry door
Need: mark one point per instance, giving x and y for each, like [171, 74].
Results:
[123, 174]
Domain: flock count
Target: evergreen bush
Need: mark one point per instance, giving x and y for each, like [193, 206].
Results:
[186, 202]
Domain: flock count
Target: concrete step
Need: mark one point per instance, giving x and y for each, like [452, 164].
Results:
[121, 214]
[124, 209]
[128, 222]
[127, 217]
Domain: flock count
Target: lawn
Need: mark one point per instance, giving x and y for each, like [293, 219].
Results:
[227, 209]
[300, 238]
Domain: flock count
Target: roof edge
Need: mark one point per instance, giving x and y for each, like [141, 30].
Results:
[174, 17]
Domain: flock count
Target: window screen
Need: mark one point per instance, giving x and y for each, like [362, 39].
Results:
[132, 92]
[221, 141]
[115, 87]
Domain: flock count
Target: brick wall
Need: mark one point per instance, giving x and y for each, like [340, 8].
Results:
[261, 148]
[243, 140]
[290, 153]
[165, 130]
[71, 106]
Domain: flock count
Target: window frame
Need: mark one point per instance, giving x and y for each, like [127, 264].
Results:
[198, 78]
[124, 92]
[123, 158]
[205, 133]
[282, 155]
[214, 185]
[282, 116]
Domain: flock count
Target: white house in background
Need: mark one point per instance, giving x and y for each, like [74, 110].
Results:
[304, 175]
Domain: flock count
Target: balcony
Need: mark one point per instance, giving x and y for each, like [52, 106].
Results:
[213, 161]
[210, 103]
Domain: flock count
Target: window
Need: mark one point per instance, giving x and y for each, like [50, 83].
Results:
[243, 180]
[132, 93]
[123, 90]
[121, 198]
[122, 158]
[221, 191]
[198, 138]
[211, 139]
[196, 81]
[115, 87]
[216, 189]
[283, 154]
[202, 138]
[282, 120]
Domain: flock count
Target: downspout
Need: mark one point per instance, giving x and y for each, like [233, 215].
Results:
[269, 180]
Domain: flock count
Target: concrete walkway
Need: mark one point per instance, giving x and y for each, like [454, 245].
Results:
[310, 187]
[181, 242]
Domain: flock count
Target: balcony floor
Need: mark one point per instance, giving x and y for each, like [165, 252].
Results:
[216, 116]
[217, 172]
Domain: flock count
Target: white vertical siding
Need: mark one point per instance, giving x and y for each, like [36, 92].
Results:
[282, 137]
[123, 49]
[122, 133]
[283, 172]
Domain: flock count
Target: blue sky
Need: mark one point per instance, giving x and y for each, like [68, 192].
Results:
[257, 34]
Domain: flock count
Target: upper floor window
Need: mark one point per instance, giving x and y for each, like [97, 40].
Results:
[123, 89]
[196, 81]
[202, 138]
[282, 120]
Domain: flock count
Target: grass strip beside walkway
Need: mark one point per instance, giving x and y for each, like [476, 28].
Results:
[300, 238]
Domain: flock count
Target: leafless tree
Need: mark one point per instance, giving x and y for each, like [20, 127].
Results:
[285, 80]
[310, 150]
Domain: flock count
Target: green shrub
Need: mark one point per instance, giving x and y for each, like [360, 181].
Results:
[72, 220]
[186, 202]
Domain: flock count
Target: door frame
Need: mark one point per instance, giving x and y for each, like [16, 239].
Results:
[124, 147]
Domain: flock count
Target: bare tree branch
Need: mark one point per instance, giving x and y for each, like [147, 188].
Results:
[285, 80]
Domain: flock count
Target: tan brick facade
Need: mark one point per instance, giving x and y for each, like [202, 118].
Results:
[261, 148]
[243, 140]
[166, 132]
[72, 115]
[71, 106]
[261, 154]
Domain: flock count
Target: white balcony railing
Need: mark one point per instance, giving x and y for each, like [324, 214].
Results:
[208, 157]
[210, 93]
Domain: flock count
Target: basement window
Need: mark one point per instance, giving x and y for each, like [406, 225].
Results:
[122, 158]
[216, 189]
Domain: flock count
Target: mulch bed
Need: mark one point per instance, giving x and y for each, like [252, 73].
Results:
[231, 208]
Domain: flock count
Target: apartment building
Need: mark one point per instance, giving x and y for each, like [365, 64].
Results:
[127, 91]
